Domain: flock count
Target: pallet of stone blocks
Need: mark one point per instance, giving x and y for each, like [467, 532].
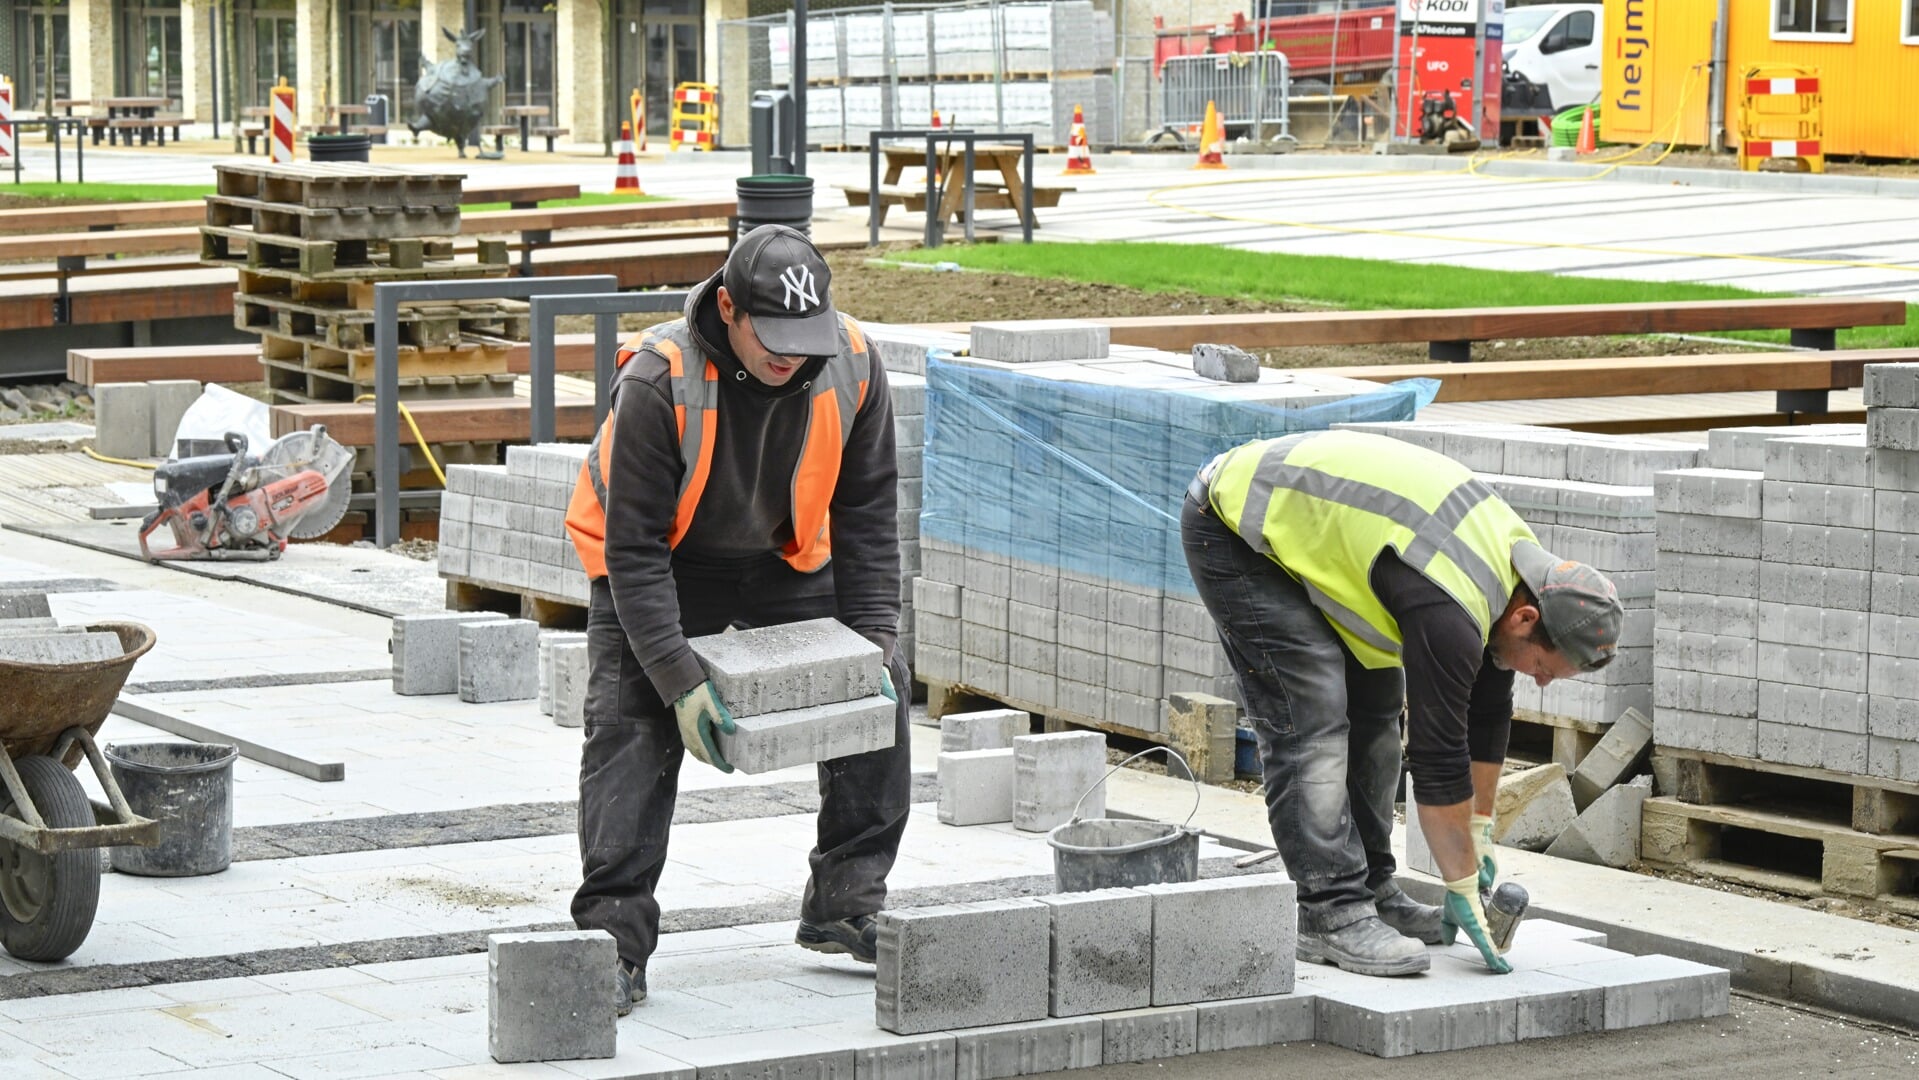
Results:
[1051, 573]
[503, 528]
[799, 693]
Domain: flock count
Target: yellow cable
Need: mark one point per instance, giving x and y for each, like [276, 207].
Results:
[98, 456]
[407, 415]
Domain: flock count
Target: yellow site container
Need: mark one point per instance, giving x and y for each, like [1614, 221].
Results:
[1655, 76]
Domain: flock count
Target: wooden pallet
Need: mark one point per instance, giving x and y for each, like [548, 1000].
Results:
[949, 697]
[551, 612]
[480, 356]
[332, 223]
[359, 279]
[1547, 737]
[294, 384]
[319, 258]
[1805, 832]
[337, 185]
[439, 324]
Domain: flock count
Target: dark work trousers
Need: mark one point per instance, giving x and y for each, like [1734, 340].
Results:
[630, 765]
[1328, 728]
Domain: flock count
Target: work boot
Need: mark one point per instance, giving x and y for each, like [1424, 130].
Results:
[630, 987]
[1406, 915]
[857, 937]
[1367, 947]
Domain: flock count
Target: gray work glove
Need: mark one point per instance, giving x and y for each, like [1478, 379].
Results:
[699, 711]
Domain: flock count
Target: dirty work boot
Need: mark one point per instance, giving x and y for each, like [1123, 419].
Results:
[1406, 915]
[1367, 947]
[630, 987]
[857, 937]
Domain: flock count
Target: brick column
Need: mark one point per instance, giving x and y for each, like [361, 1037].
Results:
[90, 38]
[197, 47]
[314, 33]
[435, 14]
[736, 93]
[581, 89]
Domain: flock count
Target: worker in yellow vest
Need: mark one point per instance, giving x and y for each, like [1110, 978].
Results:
[746, 476]
[1351, 574]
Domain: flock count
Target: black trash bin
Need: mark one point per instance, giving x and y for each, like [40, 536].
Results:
[775, 200]
[188, 789]
[339, 147]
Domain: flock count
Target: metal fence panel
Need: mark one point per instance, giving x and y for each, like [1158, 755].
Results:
[1249, 89]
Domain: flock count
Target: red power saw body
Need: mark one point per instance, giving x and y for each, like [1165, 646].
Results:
[232, 506]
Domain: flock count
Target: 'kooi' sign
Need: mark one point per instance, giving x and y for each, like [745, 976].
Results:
[1450, 48]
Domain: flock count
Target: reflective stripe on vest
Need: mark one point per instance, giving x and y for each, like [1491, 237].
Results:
[1324, 504]
[836, 395]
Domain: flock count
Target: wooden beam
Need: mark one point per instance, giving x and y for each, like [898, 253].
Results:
[479, 194]
[241, 363]
[188, 212]
[492, 420]
[1653, 425]
[593, 217]
[1524, 380]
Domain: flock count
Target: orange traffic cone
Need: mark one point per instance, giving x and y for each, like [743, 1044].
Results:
[1588, 143]
[1212, 141]
[1079, 156]
[627, 180]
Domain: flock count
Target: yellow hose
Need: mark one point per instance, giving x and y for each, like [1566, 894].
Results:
[407, 415]
[98, 456]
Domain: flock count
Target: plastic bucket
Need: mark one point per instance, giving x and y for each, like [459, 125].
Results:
[339, 147]
[775, 199]
[1111, 853]
[188, 789]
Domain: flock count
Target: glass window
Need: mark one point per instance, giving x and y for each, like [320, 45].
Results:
[1909, 29]
[1812, 19]
[41, 56]
[1522, 23]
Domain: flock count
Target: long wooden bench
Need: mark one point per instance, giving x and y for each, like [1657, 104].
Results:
[496, 420]
[192, 212]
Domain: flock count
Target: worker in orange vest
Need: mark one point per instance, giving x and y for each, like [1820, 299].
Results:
[745, 476]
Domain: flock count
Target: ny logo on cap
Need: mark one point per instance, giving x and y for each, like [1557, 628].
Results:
[798, 281]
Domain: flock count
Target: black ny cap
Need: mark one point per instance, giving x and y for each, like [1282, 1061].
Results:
[779, 278]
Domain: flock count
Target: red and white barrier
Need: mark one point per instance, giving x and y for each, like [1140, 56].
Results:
[280, 133]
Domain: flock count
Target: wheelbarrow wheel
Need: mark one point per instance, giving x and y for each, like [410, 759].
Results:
[47, 902]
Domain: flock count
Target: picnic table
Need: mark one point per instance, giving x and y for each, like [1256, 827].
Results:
[525, 114]
[959, 169]
[125, 114]
[253, 125]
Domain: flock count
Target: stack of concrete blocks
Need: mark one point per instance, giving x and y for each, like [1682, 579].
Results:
[547, 996]
[30, 635]
[976, 769]
[139, 419]
[426, 650]
[909, 440]
[1052, 573]
[799, 693]
[826, 115]
[1588, 497]
[964, 40]
[504, 526]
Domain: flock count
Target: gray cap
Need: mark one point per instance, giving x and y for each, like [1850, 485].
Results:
[778, 277]
[1577, 604]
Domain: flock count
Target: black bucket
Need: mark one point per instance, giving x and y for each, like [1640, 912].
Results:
[188, 789]
[339, 147]
[775, 199]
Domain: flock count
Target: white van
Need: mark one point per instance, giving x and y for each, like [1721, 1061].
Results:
[1556, 47]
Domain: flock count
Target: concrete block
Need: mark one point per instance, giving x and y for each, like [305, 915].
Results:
[1151, 1034]
[499, 660]
[1205, 729]
[938, 631]
[1533, 807]
[1895, 470]
[1714, 492]
[1223, 938]
[1102, 951]
[1722, 695]
[1654, 989]
[1618, 754]
[1723, 616]
[1813, 707]
[988, 676]
[1892, 759]
[1260, 1021]
[547, 996]
[989, 729]
[1225, 363]
[1594, 702]
[1896, 511]
[1607, 551]
[1895, 594]
[426, 650]
[935, 662]
[171, 400]
[1051, 774]
[985, 609]
[1482, 452]
[1417, 1015]
[1716, 575]
[1795, 624]
[1892, 386]
[1735, 735]
[976, 786]
[1626, 462]
[1038, 340]
[123, 420]
[1606, 833]
[21, 604]
[571, 667]
[1822, 459]
[1816, 586]
[790, 666]
[1892, 677]
[548, 639]
[1029, 1049]
[1816, 545]
[766, 741]
[1819, 504]
[1893, 718]
[753, 1055]
[962, 965]
[60, 648]
[1812, 748]
[1035, 621]
[1895, 553]
[1419, 854]
[1702, 535]
[1893, 429]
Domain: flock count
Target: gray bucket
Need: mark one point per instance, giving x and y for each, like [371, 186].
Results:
[188, 789]
[1111, 853]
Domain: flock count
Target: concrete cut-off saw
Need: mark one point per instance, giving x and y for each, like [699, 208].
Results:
[241, 506]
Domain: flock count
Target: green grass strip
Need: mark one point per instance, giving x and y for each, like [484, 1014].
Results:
[1354, 284]
[106, 192]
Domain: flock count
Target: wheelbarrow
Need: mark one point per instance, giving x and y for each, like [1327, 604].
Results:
[49, 714]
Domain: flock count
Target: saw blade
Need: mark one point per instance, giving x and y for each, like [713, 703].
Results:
[312, 450]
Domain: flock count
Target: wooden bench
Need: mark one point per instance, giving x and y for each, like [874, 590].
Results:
[985, 197]
[253, 132]
[192, 212]
[551, 133]
[494, 420]
[499, 132]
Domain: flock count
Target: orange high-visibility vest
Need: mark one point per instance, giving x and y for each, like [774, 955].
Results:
[837, 393]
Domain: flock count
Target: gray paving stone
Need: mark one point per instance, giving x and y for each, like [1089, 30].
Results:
[1150, 1034]
[61, 648]
[936, 597]
[1735, 735]
[1812, 748]
[1626, 463]
[171, 400]
[499, 660]
[24, 604]
[36, 627]
[548, 996]
[1893, 429]
[764, 1055]
[1723, 695]
[1701, 535]
[1417, 1016]
[548, 639]
[766, 741]
[1029, 1049]
[1819, 504]
[1893, 759]
[1259, 1021]
[1225, 363]
[1825, 628]
[1419, 854]
[1895, 594]
[1816, 545]
[986, 729]
[962, 965]
[1654, 989]
[1102, 951]
[123, 419]
[1745, 447]
[1052, 772]
[1716, 575]
[791, 666]
[1822, 459]
[880, 1055]
[1606, 833]
[1892, 386]
[426, 650]
[1041, 340]
[1533, 807]
[1714, 492]
[976, 786]
[1895, 470]
[1816, 586]
[1223, 938]
[571, 667]
[1617, 755]
[1813, 707]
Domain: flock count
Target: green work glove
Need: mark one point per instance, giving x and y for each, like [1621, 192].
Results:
[886, 685]
[1483, 847]
[1463, 911]
[699, 711]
